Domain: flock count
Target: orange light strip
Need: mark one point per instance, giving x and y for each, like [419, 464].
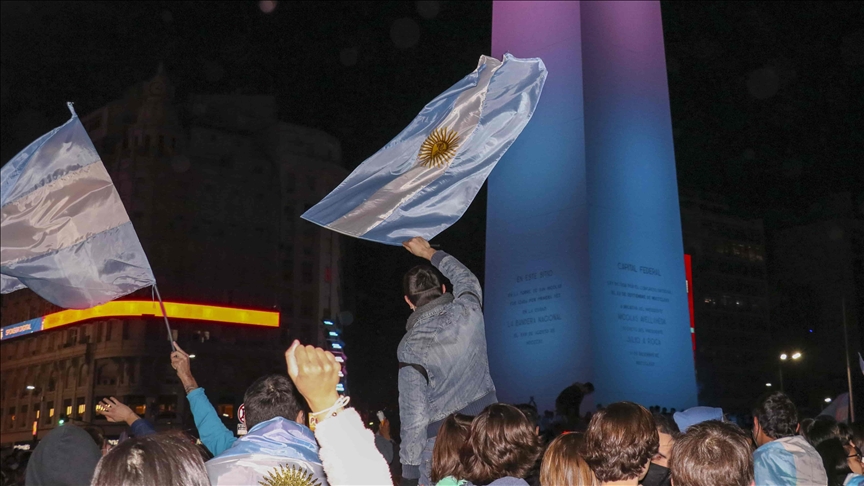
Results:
[141, 308]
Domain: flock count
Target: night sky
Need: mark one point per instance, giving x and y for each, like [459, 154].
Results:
[767, 101]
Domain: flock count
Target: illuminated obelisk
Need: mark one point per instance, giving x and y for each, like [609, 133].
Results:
[584, 259]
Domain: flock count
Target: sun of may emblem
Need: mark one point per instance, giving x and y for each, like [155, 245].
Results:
[439, 148]
[293, 476]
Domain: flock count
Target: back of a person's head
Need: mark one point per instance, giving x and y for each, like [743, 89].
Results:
[857, 431]
[448, 444]
[620, 442]
[501, 443]
[834, 459]
[65, 456]
[269, 397]
[713, 452]
[563, 465]
[530, 412]
[824, 428]
[152, 460]
[421, 285]
[666, 425]
[777, 415]
[804, 428]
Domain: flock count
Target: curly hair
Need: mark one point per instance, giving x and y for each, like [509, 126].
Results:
[501, 443]
[620, 441]
[777, 415]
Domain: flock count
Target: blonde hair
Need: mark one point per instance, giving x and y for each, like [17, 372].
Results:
[563, 466]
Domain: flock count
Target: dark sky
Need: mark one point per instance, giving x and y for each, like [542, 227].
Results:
[766, 98]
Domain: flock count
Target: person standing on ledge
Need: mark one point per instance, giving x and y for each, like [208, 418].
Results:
[443, 365]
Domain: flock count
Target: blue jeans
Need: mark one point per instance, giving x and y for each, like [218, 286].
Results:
[426, 463]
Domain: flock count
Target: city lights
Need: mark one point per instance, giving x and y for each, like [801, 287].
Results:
[796, 355]
[768, 384]
[783, 356]
[827, 400]
[31, 387]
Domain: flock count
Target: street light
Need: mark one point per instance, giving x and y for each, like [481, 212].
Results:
[31, 387]
[828, 400]
[768, 384]
[783, 357]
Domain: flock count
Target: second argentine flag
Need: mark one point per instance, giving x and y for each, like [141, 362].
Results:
[424, 179]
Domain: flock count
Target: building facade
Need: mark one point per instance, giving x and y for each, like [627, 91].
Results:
[730, 286]
[214, 186]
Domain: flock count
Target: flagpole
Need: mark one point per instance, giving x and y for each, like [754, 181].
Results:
[851, 415]
[165, 316]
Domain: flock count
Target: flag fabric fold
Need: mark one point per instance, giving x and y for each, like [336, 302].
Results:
[64, 232]
[424, 179]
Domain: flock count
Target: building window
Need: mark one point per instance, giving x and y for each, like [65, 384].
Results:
[11, 417]
[67, 407]
[107, 373]
[49, 417]
[166, 406]
[137, 403]
[307, 272]
[146, 142]
[125, 330]
[82, 407]
[24, 417]
[108, 327]
[226, 410]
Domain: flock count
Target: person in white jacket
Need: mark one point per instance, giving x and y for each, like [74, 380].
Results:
[347, 448]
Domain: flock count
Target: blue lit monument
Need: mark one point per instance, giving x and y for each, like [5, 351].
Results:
[584, 259]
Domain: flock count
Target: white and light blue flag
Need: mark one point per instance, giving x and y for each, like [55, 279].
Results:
[64, 232]
[424, 179]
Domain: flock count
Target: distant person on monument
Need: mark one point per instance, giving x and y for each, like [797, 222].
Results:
[443, 365]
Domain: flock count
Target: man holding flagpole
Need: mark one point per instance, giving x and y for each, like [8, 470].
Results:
[443, 364]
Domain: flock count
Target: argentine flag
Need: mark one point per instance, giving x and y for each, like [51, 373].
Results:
[64, 232]
[424, 179]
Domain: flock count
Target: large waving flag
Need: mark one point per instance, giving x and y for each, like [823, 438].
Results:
[424, 179]
[64, 232]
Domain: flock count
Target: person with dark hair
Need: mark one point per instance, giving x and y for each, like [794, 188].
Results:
[825, 427]
[443, 364]
[66, 456]
[276, 438]
[274, 420]
[452, 435]
[620, 442]
[842, 462]
[782, 456]
[712, 452]
[563, 465]
[501, 448]
[169, 458]
[668, 432]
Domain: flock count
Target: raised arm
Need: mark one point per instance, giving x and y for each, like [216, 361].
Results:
[465, 283]
[212, 432]
[348, 451]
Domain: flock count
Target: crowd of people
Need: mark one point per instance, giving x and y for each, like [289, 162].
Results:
[454, 431]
